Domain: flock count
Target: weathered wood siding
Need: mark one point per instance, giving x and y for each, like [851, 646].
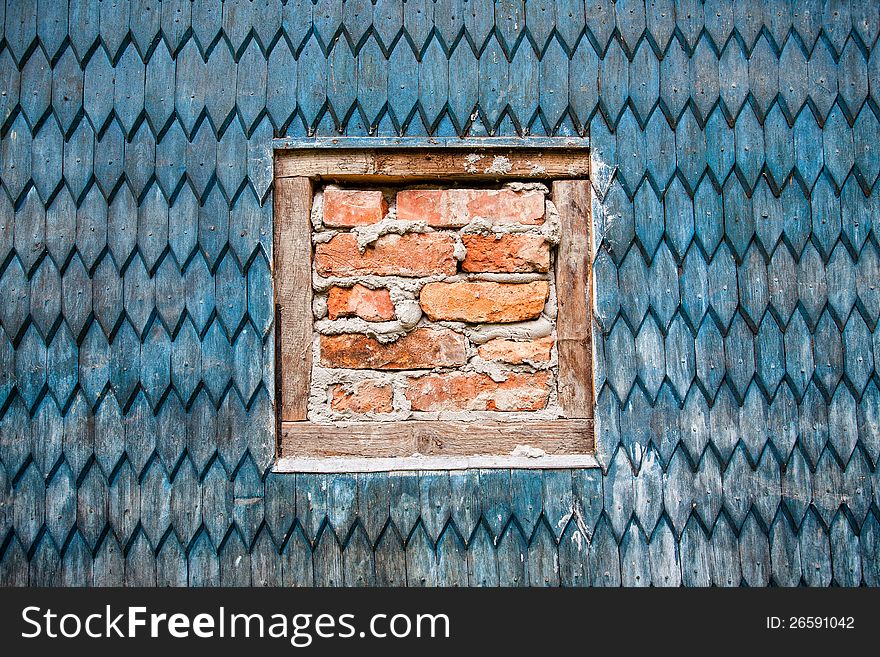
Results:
[734, 162]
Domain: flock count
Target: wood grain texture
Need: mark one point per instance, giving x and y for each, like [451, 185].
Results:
[429, 164]
[574, 319]
[433, 438]
[381, 467]
[293, 293]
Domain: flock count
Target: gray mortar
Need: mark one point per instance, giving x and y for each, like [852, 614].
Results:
[324, 236]
[532, 186]
[319, 306]
[411, 287]
[505, 278]
[551, 306]
[500, 164]
[482, 333]
[536, 168]
[459, 250]
[384, 332]
[552, 225]
[317, 214]
[404, 293]
[470, 162]
[366, 235]
[409, 313]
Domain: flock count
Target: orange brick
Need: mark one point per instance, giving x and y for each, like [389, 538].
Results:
[453, 208]
[344, 208]
[360, 301]
[506, 253]
[412, 254]
[470, 391]
[483, 301]
[516, 353]
[423, 348]
[362, 397]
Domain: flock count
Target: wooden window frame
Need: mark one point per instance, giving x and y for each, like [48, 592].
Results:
[378, 446]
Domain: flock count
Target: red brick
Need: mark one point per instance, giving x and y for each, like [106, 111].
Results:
[470, 391]
[506, 253]
[423, 348]
[412, 254]
[360, 301]
[344, 208]
[483, 301]
[516, 353]
[362, 397]
[453, 208]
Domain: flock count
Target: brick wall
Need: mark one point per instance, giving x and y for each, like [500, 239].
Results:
[434, 303]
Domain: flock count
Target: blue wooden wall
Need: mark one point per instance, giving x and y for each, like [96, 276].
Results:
[735, 163]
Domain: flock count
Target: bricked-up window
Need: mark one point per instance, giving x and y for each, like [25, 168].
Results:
[433, 304]
[433, 318]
